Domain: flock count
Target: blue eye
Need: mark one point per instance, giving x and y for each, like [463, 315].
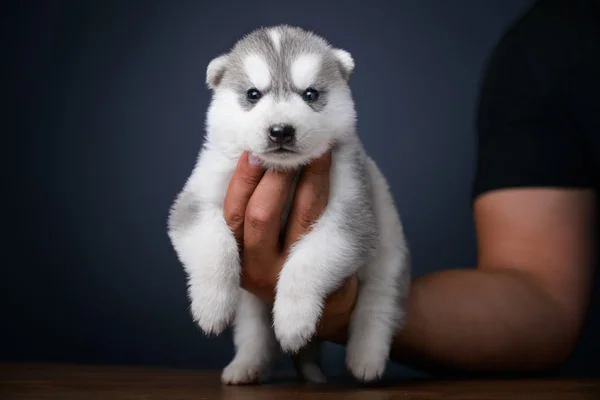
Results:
[310, 95]
[253, 95]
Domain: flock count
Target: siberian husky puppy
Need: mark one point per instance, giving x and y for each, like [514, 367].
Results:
[282, 93]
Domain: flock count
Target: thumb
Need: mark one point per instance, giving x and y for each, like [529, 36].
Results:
[310, 199]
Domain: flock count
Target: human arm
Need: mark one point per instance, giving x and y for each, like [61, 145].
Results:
[522, 308]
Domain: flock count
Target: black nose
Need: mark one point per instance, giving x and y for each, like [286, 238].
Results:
[281, 134]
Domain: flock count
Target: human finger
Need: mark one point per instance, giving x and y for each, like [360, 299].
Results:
[262, 222]
[310, 199]
[246, 178]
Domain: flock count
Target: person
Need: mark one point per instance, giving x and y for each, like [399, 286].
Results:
[523, 306]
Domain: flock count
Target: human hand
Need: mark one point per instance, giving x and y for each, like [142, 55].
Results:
[253, 206]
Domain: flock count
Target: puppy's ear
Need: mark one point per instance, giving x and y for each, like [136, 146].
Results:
[345, 61]
[215, 70]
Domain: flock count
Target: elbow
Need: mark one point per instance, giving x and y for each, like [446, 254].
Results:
[556, 321]
[556, 346]
[552, 358]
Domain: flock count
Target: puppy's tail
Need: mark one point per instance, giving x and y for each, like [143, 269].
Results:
[306, 363]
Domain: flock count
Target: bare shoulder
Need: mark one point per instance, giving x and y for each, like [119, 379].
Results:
[548, 233]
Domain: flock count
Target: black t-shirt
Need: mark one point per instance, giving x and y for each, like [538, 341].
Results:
[538, 120]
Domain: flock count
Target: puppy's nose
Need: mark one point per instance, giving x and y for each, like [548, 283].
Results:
[281, 133]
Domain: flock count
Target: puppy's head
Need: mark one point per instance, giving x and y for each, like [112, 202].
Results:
[281, 93]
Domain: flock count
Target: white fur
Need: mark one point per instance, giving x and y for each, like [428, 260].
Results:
[320, 261]
[254, 338]
[345, 60]
[215, 70]
[305, 69]
[258, 71]
[275, 39]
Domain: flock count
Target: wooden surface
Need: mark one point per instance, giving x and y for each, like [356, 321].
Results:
[26, 381]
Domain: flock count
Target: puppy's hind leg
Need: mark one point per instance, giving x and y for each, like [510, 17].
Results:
[385, 283]
[254, 340]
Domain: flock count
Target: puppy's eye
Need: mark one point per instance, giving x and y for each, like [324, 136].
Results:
[310, 95]
[253, 95]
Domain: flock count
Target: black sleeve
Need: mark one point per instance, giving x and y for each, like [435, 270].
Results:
[524, 138]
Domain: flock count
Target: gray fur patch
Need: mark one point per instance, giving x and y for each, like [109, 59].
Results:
[294, 42]
[184, 211]
[359, 219]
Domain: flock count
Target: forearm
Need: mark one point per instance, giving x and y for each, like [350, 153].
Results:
[479, 321]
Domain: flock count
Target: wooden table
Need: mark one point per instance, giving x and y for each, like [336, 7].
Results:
[66, 382]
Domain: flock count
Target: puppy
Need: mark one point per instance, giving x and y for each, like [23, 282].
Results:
[282, 93]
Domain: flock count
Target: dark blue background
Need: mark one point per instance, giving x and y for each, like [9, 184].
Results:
[110, 103]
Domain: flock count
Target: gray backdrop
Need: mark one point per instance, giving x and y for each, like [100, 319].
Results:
[110, 103]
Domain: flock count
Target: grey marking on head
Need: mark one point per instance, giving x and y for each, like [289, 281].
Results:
[184, 211]
[335, 68]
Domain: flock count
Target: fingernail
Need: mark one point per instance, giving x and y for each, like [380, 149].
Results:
[253, 160]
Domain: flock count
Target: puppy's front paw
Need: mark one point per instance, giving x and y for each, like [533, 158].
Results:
[212, 263]
[295, 320]
[366, 362]
[213, 306]
[242, 372]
